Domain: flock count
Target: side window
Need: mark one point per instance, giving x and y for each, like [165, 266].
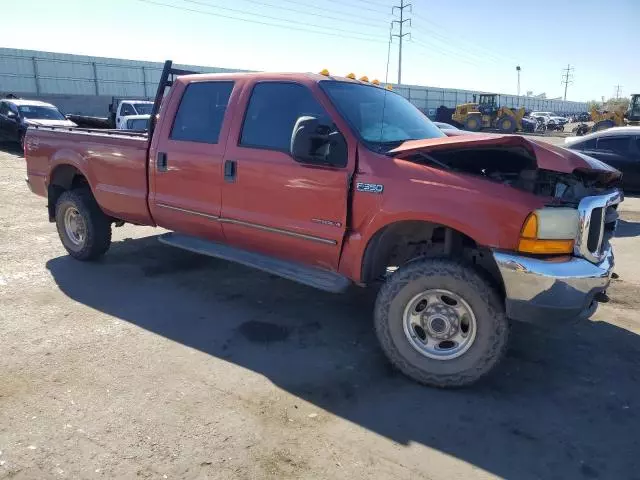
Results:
[4, 109]
[614, 144]
[127, 109]
[201, 112]
[273, 110]
[587, 145]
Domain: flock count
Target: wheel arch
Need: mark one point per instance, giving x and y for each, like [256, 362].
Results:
[403, 241]
[63, 177]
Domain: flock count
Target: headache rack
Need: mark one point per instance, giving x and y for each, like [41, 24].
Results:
[597, 224]
[166, 80]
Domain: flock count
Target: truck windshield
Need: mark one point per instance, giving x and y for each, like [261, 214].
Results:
[143, 108]
[39, 112]
[382, 119]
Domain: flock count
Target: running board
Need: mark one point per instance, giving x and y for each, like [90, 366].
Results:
[311, 276]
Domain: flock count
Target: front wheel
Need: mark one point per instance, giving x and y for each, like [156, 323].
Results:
[440, 323]
[85, 231]
[506, 124]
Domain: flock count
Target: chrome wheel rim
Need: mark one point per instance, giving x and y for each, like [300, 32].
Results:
[74, 226]
[439, 324]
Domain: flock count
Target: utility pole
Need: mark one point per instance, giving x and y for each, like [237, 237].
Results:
[618, 88]
[567, 78]
[402, 34]
[518, 70]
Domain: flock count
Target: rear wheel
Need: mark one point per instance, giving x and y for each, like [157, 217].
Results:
[473, 123]
[85, 231]
[506, 124]
[440, 323]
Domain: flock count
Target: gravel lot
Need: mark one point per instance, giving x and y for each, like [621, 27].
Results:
[158, 363]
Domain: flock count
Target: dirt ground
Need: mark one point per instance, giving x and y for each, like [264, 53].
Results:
[158, 363]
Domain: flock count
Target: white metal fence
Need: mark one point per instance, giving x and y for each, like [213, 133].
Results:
[42, 74]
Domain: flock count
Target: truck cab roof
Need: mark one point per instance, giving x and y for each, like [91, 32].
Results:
[270, 76]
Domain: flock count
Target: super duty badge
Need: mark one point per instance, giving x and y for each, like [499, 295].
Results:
[369, 187]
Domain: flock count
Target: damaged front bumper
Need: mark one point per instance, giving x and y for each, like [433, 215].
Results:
[551, 290]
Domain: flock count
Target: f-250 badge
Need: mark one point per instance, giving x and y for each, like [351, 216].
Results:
[369, 187]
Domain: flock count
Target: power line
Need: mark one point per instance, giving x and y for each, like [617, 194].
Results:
[320, 15]
[257, 22]
[279, 19]
[400, 35]
[430, 49]
[343, 3]
[453, 51]
[324, 9]
[567, 78]
[497, 56]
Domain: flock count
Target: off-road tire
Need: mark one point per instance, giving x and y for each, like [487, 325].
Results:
[506, 124]
[473, 123]
[492, 332]
[98, 225]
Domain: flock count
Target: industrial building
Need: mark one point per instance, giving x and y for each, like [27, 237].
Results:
[85, 85]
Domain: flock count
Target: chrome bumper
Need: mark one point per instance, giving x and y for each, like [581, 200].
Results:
[549, 290]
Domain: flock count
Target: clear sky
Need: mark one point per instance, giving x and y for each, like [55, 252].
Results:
[468, 44]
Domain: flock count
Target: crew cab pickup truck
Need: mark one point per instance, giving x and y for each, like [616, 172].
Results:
[334, 182]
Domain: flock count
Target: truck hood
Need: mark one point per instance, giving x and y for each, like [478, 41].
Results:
[547, 156]
[48, 123]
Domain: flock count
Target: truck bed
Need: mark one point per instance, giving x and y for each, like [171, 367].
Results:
[112, 161]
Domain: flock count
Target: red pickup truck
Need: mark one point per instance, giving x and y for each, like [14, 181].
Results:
[333, 181]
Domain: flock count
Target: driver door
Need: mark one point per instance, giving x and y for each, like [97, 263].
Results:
[270, 203]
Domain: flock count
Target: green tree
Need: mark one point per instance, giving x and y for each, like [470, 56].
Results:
[591, 104]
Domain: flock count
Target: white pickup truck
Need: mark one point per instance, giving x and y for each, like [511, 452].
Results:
[129, 108]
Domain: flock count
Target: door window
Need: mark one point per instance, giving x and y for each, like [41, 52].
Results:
[4, 109]
[272, 113]
[614, 144]
[201, 112]
[586, 145]
[127, 109]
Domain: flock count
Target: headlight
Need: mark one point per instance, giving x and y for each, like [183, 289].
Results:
[549, 231]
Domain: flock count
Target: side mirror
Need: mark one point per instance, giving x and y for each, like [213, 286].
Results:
[12, 115]
[314, 141]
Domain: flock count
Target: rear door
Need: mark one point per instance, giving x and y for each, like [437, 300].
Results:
[271, 203]
[185, 192]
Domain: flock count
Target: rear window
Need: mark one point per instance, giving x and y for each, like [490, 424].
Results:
[201, 112]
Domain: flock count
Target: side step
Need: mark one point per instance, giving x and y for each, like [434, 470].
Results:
[311, 276]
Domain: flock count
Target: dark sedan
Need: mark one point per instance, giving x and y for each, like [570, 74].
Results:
[618, 147]
[16, 115]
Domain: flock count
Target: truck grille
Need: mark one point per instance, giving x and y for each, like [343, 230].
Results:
[597, 225]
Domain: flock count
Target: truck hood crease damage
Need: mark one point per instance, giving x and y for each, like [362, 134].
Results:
[527, 164]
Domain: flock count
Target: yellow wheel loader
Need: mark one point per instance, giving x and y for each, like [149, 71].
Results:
[487, 114]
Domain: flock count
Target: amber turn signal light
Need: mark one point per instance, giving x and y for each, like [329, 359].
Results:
[530, 243]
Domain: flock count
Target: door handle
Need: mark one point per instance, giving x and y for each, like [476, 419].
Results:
[230, 171]
[161, 162]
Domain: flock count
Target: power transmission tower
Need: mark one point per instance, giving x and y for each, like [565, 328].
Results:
[567, 78]
[402, 33]
[618, 88]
